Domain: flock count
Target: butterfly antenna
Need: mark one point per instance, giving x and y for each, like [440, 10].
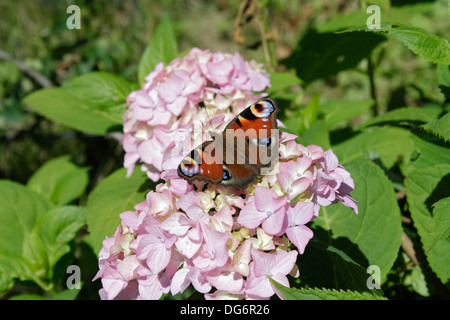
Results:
[203, 106]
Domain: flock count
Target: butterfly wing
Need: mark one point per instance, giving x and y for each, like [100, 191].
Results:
[252, 135]
[200, 165]
[260, 115]
[237, 175]
[235, 157]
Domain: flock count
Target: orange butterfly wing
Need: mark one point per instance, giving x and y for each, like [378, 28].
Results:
[245, 149]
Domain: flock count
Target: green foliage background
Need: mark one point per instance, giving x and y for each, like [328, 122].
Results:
[378, 98]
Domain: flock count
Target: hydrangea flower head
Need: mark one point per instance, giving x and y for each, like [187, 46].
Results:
[166, 108]
[222, 241]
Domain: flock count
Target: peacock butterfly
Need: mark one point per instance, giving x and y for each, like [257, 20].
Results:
[237, 155]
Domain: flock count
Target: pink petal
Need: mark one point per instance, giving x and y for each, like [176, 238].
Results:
[179, 187]
[275, 223]
[262, 262]
[151, 292]
[199, 281]
[197, 214]
[130, 159]
[177, 106]
[315, 152]
[285, 180]
[260, 287]
[284, 262]
[259, 81]
[285, 137]
[170, 89]
[188, 200]
[329, 161]
[154, 251]
[144, 100]
[177, 224]
[219, 72]
[250, 217]
[194, 83]
[223, 219]
[129, 143]
[160, 117]
[266, 200]
[288, 167]
[148, 150]
[302, 164]
[142, 114]
[180, 281]
[299, 186]
[113, 287]
[160, 202]
[127, 267]
[223, 279]
[299, 236]
[131, 219]
[213, 253]
[349, 202]
[300, 213]
[187, 246]
[157, 72]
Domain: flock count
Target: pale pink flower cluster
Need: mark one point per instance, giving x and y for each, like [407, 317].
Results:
[166, 108]
[222, 241]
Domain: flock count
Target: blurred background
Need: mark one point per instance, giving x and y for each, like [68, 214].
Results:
[114, 34]
[37, 50]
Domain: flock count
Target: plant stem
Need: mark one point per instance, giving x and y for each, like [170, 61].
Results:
[44, 286]
[268, 43]
[33, 74]
[373, 91]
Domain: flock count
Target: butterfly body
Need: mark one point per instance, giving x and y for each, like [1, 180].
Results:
[235, 157]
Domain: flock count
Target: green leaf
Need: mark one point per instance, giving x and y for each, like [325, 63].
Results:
[344, 21]
[440, 127]
[102, 91]
[59, 180]
[280, 81]
[327, 266]
[112, 196]
[61, 106]
[419, 41]
[418, 281]
[310, 113]
[402, 14]
[317, 134]
[319, 55]
[162, 48]
[339, 111]
[387, 144]
[355, 275]
[372, 237]
[6, 282]
[20, 209]
[68, 294]
[323, 294]
[426, 155]
[425, 187]
[28, 297]
[422, 43]
[440, 224]
[443, 74]
[55, 229]
[33, 234]
[405, 115]
[303, 118]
